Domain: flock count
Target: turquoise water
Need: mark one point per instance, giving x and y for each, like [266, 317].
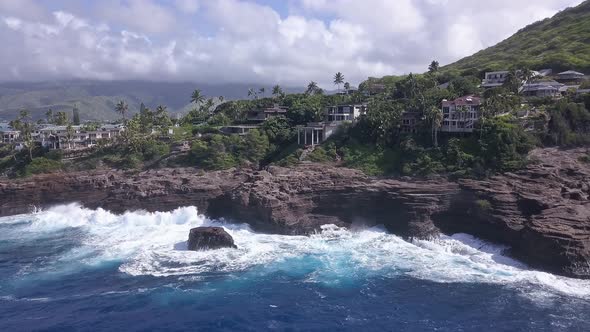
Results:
[70, 268]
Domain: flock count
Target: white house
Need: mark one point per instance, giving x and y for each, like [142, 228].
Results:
[341, 113]
[570, 75]
[494, 79]
[315, 133]
[8, 134]
[460, 115]
[544, 89]
[59, 137]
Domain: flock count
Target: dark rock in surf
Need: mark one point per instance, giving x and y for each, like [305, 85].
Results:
[203, 238]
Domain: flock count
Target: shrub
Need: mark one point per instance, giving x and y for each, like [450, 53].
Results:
[42, 165]
[54, 155]
[153, 149]
[483, 205]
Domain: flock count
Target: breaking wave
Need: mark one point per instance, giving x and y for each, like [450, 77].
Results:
[153, 244]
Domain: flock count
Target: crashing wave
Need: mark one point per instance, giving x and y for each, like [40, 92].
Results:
[154, 244]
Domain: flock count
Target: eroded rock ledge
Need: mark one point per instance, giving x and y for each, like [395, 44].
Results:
[542, 212]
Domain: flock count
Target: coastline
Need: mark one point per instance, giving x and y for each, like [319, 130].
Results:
[542, 212]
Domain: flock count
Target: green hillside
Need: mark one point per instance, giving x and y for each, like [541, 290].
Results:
[560, 43]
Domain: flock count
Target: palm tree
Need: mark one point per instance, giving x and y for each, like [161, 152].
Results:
[338, 80]
[49, 116]
[262, 92]
[197, 97]
[312, 88]
[122, 108]
[277, 91]
[435, 116]
[252, 93]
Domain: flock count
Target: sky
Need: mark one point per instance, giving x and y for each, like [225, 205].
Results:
[287, 42]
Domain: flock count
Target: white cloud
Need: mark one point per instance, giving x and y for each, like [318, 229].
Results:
[239, 40]
[188, 6]
[144, 15]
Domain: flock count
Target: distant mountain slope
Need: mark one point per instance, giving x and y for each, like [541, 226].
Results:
[561, 42]
[96, 99]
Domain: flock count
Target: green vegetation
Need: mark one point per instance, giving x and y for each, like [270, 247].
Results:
[42, 165]
[483, 205]
[560, 43]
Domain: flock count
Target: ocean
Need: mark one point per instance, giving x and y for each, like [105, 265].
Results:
[69, 268]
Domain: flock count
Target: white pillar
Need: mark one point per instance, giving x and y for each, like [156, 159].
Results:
[298, 136]
[305, 136]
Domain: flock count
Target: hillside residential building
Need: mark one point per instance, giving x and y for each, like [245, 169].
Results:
[8, 134]
[59, 137]
[546, 89]
[494, 79]
[410, 121]
[240, 130]
[315, 133]
[262, 115]
[460, 115]
[569, 76]
[345, 112]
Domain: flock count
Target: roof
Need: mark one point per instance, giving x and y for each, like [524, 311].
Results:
[544, 85]
[570, 72]
[463, 101]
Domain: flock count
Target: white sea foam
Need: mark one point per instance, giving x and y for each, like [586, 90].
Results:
[154, 244]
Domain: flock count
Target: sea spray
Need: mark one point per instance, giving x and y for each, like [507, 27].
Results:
[153, 244]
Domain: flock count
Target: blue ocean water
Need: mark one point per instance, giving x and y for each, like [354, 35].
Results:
[70, 268]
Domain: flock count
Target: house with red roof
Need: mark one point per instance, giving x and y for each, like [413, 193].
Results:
[461, 114]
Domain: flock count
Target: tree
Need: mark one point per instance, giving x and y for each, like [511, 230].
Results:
[255, 145]
[122, 108]
[69, 135]
[197, 97]
[312, 88]
[221, 99]
[433, 67]
[207, 107]
[162, 118]
[277, 91]
[435, 117]
[347, 87]
[262, 92]
[338, 80]
[61, 119]
[24, 124]
[252, 93]
[49, 116]
[76, 116]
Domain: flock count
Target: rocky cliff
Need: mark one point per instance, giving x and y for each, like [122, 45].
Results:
[542, 212]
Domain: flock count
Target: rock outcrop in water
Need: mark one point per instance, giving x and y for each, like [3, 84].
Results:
[203, 238]
[541, 212]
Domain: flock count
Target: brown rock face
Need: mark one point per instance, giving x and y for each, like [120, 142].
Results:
[203, 238]
[542, 212]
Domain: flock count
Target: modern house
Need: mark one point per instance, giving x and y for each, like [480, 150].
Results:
[341, 113]
[460, 115]
[264, 114]
[410, 121]
[75, 137]
[494, 79]
[8, 134]
[240, 130]
[315, 133]
[551, 89]
[569, 76]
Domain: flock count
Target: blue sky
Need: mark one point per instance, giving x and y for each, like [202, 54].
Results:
[289, 42]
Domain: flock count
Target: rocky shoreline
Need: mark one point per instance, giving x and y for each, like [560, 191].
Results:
[541, 212]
